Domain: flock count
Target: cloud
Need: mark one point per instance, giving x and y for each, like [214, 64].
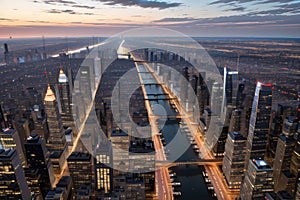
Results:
[183, 19]
[64, 3]
[7, 19]
[236, 20]
[293, 8]
[53, 2]
[250, 1]
[142, 3]
[240, 8]
[81, 6]
[230, 2]
[67, 11]
[39, 21]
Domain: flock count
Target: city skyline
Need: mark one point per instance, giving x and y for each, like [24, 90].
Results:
[222, 18]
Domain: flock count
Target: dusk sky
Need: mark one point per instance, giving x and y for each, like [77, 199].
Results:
[243, 18]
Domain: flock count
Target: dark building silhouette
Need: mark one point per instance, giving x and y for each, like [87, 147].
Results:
[39, 158]
[13, 184]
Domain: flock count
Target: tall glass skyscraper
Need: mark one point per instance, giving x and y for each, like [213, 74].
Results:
[234, 159]
[259, 122]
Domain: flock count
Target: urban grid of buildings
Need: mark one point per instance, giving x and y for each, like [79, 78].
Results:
[44, 155]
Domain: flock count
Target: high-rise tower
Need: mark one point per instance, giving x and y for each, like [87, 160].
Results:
[259, 122]
[230, 90]
[38, 158]
[57, 140]
[234, 159]
[13, 184]
[56, 143]
[282, 162]
[80, 167]
[10, 139]
[258, 180]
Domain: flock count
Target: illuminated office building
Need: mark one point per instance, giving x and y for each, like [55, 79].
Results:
[10, 139]
[56, 143]
[103, 170]
[80, 167]
[282, 162]
[65, 99]
[258, 180]
[57, 140]
[13, 184]
[33, 177]
[234, 159]
[295, 162]
[230, 90]
[259, 122]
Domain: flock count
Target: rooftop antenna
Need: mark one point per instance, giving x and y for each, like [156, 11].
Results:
[67, 44]
[238, 62]
[44, 48]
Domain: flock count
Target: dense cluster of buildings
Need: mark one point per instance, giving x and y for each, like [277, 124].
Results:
[42, 158]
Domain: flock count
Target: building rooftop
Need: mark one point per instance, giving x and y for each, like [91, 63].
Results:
[118, 132]
[56, 154]
[144, 146]
[49, 95]
[62, 78]
[261, 164]
[56, 193]
[33, 138]
[289, 174]
[79, 156]
[8, 131]
[64, 181]
[6, 153]
[287, 139]
[236, 136]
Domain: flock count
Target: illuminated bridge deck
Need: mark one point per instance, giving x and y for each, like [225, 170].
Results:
[216, 161]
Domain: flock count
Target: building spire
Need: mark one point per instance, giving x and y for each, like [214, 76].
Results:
[62, 78]
[49, 94]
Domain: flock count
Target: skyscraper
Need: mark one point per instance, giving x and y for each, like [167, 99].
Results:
[80, 167]
[234, 159]
[282, 162]
[235, 121]
[57, 140]
[202, 92]
[120, 145]
[33, 177]
[39, 158]
[258, 180]
[13, 184]
[10, 138]
[103, 170]
[184, 78]
[295, 162]
[216, 98]
[259, 122]
[230, 90]
[56, 143]
[64, 98]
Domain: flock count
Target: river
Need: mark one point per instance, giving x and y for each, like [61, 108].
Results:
[193, 186]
